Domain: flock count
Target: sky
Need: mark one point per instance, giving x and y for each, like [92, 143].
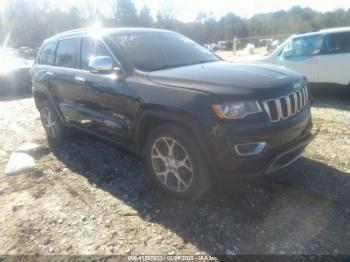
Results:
[187, 10]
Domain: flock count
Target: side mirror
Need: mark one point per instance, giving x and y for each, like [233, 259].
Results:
[100, 64]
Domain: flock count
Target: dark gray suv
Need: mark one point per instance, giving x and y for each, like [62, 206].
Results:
[191, 116]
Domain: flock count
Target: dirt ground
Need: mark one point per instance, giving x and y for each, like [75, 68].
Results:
[85, 197]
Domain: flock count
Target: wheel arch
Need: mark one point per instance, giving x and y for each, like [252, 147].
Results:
[39, 97]
[150, 119]
[42, 95]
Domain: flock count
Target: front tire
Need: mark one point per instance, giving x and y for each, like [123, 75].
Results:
[176, 164]
[51, 122]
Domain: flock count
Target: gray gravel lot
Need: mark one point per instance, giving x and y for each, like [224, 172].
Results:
[85, 197]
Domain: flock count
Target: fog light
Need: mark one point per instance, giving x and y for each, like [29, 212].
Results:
[250, 149]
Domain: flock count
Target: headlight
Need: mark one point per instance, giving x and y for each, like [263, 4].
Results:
[236, 110]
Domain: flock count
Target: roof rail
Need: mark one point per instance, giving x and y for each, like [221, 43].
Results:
[69, 32]
[73, 31]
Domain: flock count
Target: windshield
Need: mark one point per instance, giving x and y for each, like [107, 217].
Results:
[161, 50]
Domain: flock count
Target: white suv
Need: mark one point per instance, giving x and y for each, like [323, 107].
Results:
[323, 56]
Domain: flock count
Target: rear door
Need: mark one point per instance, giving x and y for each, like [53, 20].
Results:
[41, 71]
[101, 96]
[62, 75]
[302, 55]
[335, 59]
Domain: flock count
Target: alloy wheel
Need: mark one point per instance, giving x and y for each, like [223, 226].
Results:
[49, 121]
[172, 164]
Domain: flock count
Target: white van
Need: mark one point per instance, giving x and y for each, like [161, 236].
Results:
[323, 56]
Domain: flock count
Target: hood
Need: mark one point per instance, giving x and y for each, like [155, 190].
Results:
[225, 78]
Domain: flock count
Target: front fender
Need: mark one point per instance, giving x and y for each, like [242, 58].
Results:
[182, 119]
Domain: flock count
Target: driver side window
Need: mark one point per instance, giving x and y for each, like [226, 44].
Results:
[303, 47]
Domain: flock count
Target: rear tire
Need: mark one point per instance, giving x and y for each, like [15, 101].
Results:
[55, 131]
[176, 164]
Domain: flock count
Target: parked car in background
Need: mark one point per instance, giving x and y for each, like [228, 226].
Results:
[14, 72]
[27, 52]
[211, 47]
[323, 56]
[264, 42]
[221, 45]
[192, 117]
[224, 45]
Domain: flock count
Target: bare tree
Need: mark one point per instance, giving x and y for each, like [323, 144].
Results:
[167, 13]
[91, 9]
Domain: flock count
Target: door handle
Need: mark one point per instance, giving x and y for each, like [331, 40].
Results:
[49, 73]
[79, 79]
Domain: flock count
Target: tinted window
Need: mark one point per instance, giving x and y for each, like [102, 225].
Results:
[161, 50]
[90, 48]
[66, 54]
[47, 54]
[338, 43]
[304, 46]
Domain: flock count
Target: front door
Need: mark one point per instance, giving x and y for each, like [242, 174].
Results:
[302, 55]
[101, 95]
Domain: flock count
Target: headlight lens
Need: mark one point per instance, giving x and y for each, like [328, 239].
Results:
[236, 110]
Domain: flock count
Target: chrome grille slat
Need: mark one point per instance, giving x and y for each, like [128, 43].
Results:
[286, 106]
[307, 95]
[295, 103]
[279, 109]
[267, 109]
[303, 95]
[299, 100]
[292, 104]
[289, 106]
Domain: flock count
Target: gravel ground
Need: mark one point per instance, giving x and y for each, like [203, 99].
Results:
[85, 197]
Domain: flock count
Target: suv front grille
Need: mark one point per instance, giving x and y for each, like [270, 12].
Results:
[286, 106]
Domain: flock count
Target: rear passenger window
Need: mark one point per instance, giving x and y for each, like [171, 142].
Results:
[338, 43]
[89, 48]
[67, 53]
[47, 54]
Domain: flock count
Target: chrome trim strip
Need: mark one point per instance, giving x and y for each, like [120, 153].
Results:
[258, 149]
[273, 168]
[301, 144]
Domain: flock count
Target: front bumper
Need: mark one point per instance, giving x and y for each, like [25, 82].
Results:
[290, 155]
[285, 143]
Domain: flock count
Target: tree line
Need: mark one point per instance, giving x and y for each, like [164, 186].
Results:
[29, 22]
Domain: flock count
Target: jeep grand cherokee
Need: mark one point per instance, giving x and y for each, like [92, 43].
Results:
[191, 116]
